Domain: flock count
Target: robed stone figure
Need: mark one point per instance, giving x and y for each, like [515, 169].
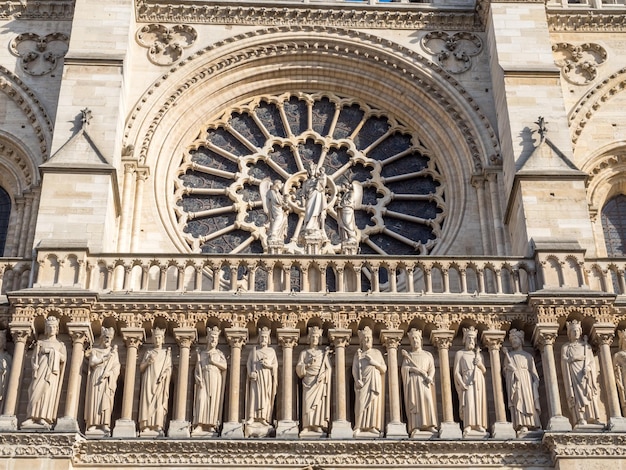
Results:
[262, 367]
[580, 377]
[5, 366]
[156, 372]
[522, 384]
[48, 363]
[314, 368]
[619, 362]
[103, 372]
[418, 376]
[210, 379]
[469, 379]
[368, 368]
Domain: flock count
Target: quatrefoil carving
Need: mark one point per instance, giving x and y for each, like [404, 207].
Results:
[579, 64]
[39, 55]
[165, 45]
[454, 52]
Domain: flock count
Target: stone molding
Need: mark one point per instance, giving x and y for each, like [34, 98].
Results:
[588, 20]
[34, 111]
[60, 10]
[347, 16]
[354, 44]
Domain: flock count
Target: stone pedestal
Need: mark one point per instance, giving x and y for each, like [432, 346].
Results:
[67, 424]
[179, 429]
[559, 424]
[125, 428]
[396, 431]
[341, 430]
[232, 431]
[503, 431]
[287, 430]
[450, 431]
[617, 424]
[8, 423]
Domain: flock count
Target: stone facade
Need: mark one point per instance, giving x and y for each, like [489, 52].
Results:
[365, 199]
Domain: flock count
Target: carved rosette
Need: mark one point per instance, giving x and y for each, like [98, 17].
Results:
[453, 52]
[39, 55]
[579, 64]
[166, 44]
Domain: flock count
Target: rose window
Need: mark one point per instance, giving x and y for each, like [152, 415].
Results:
[309, 173]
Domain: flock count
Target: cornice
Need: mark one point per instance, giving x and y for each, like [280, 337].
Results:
[585, 445]
[412, 16]
[268, 453]
[37, 445]
[37, 10]
[590, 20]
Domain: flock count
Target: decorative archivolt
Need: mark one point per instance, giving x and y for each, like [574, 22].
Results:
[607, 177]
[593, 100]
[34, 111]
[19, 172]
[222, 57]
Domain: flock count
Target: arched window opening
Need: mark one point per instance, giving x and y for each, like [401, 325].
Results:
[614, 226]
[5, 213]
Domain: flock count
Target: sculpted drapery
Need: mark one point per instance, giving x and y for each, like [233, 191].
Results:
[5, 366]
[580, 376]
[262, 369]
[104, 370]
[418, 376]
[368, 368]
[210, 379]
[48, 364]
[522, 382]
[314, 369]
[469, 379]
[619, 362]
[315, 204]
[156, 372]
[345, 212]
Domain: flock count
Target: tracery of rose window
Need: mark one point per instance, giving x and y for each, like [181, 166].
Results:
[309, 173]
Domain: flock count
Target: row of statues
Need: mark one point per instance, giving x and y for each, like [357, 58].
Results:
[314, 367]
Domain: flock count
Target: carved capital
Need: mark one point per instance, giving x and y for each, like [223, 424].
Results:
[288, 337]
[493, 339]
[134, 337]
[391, 339]
[185, 337]
[20, 331]
[236, 337]
[545, 335]
[442, 339]
[80, 333]
[339, 338]
[603, 334]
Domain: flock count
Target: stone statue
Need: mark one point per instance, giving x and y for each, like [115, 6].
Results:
[580, 377]
[619, 361]
[314, 369]
[48, 364]
[469, 379]
[210, 379]
[156, 372]
[418, 376]
[5, 366]
[262, 369]
[315, 201]
[345, 214]
[522, 384]
[368, 368]
[104, 369]
[276, 209]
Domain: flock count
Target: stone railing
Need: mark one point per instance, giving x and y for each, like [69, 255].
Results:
[597, 4]
[14, 274]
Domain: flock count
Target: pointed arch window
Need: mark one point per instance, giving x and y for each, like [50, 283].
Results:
[614, 226]
[5, 213]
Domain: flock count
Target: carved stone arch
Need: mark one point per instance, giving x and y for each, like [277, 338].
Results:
[607, 179]
[40, 124]
[278, 59]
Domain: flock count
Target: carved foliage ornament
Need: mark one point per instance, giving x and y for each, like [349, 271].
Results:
[165, 44]
[39, 54]
[453, 51]
[579, 63]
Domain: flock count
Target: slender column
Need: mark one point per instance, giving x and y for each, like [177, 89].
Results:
[237, 339]
[142, 176]
[179, 427]
[125, 219]
[125, 426]
[341, 428]
[33, 222]
[603, 335]
[544, 337]
[442, 339]
[501, 429]
[479, 182]
[287, 428]
[28, 206]
[391, 339]
[20, 331]
[495, 210]
[80, 333]
[19, 220]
